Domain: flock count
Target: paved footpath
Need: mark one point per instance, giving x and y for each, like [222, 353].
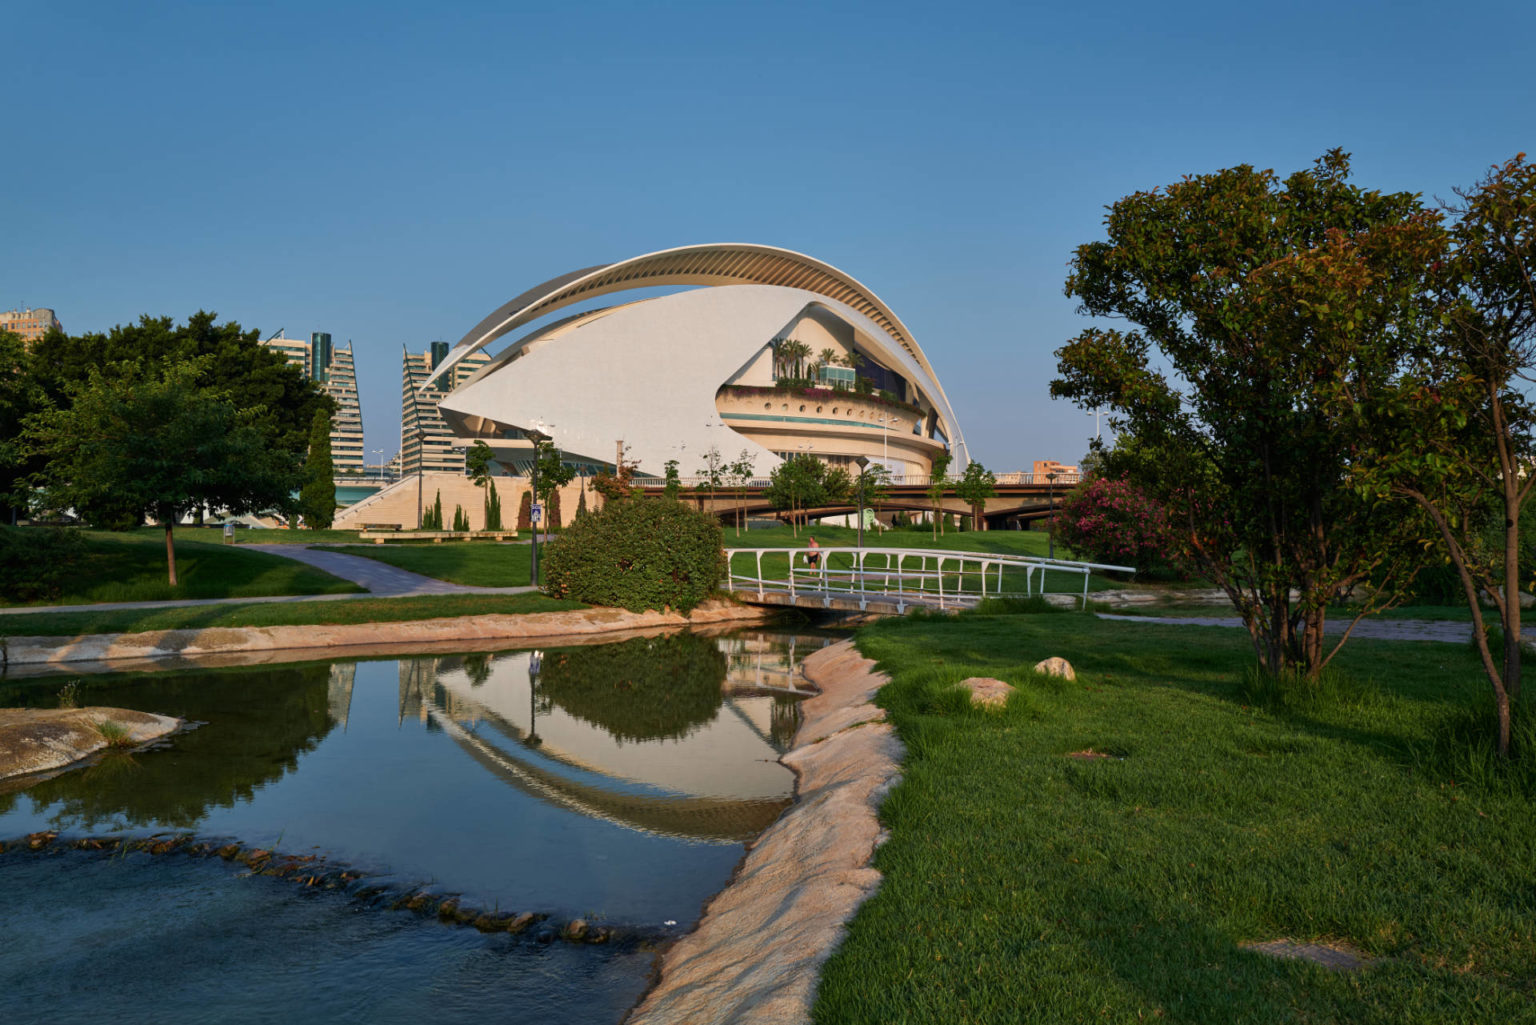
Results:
[1377, 629]
[381, 579]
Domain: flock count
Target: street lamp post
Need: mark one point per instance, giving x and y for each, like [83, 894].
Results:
[421, 469]
[1050, 511]
[861, 462]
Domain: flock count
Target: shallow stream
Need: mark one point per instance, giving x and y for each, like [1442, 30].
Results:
[616, 783]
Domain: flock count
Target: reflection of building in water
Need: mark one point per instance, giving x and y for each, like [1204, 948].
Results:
[338, 693]
[731, 755]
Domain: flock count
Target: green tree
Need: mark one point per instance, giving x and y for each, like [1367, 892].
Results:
[1454, 434]
[674, 485]
[434, 518]
[938, 482]
[20, 396]
[478, 464]
[1270, 302]
[797, 484]
[148, 437]
[492, 506]
[554, 474]
[975, 486]
[282, 400]
[739, 474]
[460, 519]
[317, 499]
[711, 476]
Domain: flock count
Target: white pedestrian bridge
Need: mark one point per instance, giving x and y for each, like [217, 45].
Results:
[899, 579]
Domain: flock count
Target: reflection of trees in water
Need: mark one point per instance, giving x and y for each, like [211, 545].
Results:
[259, 722]
[649, 688]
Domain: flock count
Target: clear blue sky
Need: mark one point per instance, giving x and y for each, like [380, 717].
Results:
[391, 172]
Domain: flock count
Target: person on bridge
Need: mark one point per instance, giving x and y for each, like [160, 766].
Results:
[813, 554]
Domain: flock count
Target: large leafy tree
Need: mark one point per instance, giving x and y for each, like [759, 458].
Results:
[20, 395]
[280, 396]
[150, 438]
[1456, 434]
[1273, 304]
[798, 484]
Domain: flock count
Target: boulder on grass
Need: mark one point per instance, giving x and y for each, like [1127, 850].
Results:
[987, 692]
[1054, 666]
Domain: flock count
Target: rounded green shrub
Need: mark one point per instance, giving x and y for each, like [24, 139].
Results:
[637, 554]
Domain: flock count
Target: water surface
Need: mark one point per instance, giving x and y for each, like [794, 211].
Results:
[615, 782]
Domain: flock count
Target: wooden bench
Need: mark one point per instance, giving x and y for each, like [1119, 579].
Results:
[392, 532]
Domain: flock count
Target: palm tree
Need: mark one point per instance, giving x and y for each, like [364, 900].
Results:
[798, 352]
[828, 359]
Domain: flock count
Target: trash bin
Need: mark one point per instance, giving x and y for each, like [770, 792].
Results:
[229, 533]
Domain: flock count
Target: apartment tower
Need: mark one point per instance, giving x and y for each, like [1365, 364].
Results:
[335, 372]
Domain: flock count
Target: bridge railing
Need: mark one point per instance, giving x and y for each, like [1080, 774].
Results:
[907, 575]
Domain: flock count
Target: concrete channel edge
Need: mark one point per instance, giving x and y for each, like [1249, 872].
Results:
[757, 954]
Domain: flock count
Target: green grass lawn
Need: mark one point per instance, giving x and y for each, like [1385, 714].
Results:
[477, 564]
[360, 610]
[1022, 885]
[116, 567]
[1438, 613]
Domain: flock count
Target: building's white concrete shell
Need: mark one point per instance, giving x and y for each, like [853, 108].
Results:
[647, 372]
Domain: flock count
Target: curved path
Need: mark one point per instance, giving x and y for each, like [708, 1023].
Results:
[1376, 629]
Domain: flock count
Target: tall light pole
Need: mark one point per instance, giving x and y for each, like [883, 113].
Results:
[861, 462]
[1096, 414]
[1050, 512]
[538, 438]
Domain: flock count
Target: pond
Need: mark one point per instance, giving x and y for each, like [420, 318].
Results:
[615, 783]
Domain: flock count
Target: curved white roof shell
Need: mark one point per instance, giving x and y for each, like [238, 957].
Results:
[796, 278]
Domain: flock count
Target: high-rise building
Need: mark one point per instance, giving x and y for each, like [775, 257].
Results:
[425, 440]
[336, 374]
[29, 324]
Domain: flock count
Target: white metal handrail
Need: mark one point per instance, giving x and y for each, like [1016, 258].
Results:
[910, 575]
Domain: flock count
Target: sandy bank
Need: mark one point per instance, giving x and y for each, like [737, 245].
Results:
[757, 953]
[297, 643]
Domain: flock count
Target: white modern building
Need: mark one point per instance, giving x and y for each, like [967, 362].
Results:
[753, 348]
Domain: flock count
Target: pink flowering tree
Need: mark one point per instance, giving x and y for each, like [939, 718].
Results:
[1113, 521]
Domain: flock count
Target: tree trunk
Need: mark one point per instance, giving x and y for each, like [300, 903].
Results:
[170, 551]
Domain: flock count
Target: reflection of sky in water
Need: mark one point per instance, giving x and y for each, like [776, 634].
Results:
[421, 768]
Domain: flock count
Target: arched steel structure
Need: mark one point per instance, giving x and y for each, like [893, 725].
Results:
[712, 266]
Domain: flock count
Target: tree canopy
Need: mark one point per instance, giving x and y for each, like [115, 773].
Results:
[147, 437]
[1270, 302]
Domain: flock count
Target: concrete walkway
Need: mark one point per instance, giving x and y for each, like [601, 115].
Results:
[381, 580]
[1375, 629]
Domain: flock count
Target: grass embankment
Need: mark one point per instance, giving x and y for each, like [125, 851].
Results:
[199, 617]
[113, 567]
[473, 564]
[1024, 885]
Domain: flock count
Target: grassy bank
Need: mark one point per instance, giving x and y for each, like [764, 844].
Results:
[1025, 885]
[197, 617]
[113, 567]
[478, 565]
